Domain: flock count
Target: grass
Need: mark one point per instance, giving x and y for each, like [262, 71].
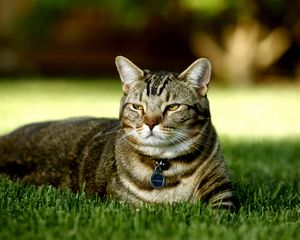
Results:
[260, 135]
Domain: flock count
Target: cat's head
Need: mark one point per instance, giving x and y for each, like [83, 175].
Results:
[164, 114]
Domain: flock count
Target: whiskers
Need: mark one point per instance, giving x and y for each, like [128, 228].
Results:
[181, 139]
[129, 136]
[111, 131]
[168, 142]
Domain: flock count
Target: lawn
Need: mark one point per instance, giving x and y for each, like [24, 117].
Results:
[260, 134]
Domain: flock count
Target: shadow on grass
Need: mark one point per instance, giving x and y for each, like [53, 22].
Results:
[265, 173]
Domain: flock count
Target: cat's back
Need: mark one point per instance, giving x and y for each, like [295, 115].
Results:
[59, 131]
[46, 152]
[55, 137]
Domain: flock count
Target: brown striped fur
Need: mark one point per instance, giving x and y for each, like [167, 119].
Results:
[162, 116]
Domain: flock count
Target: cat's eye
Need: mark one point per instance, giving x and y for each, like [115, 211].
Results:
[137, 107]
[172, 107]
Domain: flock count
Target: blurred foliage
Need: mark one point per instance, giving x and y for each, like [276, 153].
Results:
[43, 14]
[261, 37]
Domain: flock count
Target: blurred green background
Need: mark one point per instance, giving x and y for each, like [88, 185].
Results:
[57, 57]
[247, 41]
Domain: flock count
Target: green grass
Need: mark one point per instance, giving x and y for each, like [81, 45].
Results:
[260, 135]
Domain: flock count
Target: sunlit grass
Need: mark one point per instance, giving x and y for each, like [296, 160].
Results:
[38, 100]
[267, 111]
[263, 111]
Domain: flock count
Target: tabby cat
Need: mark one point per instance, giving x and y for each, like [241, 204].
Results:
[163, 148]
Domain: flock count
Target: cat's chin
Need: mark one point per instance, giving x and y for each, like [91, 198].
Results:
[163, 149]
[158, 152]
[154, 141]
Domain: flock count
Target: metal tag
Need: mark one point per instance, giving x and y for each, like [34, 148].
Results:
[157, 180]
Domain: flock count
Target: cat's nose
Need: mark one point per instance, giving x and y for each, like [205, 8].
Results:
[151, 125]
[152, 120]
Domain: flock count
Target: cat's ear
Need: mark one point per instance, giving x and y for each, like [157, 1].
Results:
[198, 75]
[129, 72]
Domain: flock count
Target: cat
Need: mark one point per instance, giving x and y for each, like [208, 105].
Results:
[163, 148]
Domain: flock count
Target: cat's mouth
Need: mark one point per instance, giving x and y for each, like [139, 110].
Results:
[155, 140]
[152, 137]
[151, 134]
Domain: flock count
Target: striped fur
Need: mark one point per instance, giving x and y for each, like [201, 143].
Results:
[163, 116]
[185, 137]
